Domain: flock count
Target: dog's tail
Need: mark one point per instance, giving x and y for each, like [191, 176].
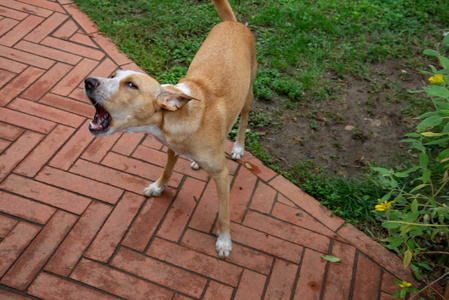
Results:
[224, 10]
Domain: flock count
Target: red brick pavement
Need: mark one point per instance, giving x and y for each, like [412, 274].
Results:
[75, 225]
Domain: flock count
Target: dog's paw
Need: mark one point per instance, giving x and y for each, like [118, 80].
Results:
[194, 165]
[223, 245]
[153, 190]
[237, 151]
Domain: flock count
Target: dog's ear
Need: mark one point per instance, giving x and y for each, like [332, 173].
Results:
[172, 100]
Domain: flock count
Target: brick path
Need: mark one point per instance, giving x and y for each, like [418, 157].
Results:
[74, 223]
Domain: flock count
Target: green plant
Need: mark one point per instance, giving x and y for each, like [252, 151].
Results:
[415, 210]
[406, 287]
[349, 198]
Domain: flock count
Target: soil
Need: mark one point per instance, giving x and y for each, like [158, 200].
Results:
[364, 125]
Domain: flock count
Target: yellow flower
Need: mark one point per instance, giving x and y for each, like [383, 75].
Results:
[405, 284]
[383, 206]
[437, 79]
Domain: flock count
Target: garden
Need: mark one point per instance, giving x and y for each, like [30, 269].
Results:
[352, 104]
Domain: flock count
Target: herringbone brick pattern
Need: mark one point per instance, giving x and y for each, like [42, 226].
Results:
[75, 225]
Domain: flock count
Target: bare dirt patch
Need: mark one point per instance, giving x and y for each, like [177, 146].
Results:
[364, 125]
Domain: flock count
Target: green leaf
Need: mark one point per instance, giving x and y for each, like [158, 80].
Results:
[418, 188]
[419, 91]
[423, 160]
[445, 40]
[445, 71]
[412, 169]
[431, 134]
[434, 233]
[248, 166]
[412, 244]
[385, 197]
[416, 232]
[331, 258]
[408, 140]
[403, 293]
[425, 115]
[418, 146]
[445, 214]
[426, 175]
[412, 134]
[443, 154]
[437, 91]
[399, 199]
[380, 170]
[434, 70]
[442, 105]
[390, 225]
[430, 122]
[433, 202]
[394, 241]
[407, 258]
[446, 128]
[444, 62]
[425, 266]
[417, 272]
[406, 229]
[431, 53]
[401, 174]
[414, 207]
[393, 183]
[439, 141]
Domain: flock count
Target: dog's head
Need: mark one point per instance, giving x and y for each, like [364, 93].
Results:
[129, 100]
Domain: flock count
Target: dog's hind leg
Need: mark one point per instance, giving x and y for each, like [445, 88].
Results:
[156, 188]
[239, 145]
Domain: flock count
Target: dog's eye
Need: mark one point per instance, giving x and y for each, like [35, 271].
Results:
[131, 85]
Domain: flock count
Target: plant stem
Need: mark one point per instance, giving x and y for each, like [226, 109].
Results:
[427, 286]
[426, 225]
[439, 190]
[434, 252]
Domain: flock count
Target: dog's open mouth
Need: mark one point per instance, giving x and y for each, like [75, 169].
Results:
[102, 120]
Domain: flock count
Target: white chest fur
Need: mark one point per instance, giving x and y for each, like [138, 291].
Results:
[155, 131]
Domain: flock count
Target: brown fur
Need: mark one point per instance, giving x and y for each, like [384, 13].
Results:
[219, 79]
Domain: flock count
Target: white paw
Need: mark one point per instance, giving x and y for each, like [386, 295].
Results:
[237, 151]
[194, 165]
[223, 245]
[153, 190]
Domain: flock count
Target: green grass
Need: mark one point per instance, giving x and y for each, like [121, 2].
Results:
[350, 198]
[297, 42]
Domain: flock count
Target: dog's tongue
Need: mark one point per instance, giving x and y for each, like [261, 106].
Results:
[101, 119]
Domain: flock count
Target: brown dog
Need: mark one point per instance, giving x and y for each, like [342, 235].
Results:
[192, 117]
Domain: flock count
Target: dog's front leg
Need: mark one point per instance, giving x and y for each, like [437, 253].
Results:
[223, 244]
[156, 188]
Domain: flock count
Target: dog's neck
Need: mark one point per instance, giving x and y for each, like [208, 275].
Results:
[176, 126]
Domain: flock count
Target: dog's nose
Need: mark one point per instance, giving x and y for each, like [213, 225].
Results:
[91, 83]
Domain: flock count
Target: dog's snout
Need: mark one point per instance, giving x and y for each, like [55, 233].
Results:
[91, 83]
